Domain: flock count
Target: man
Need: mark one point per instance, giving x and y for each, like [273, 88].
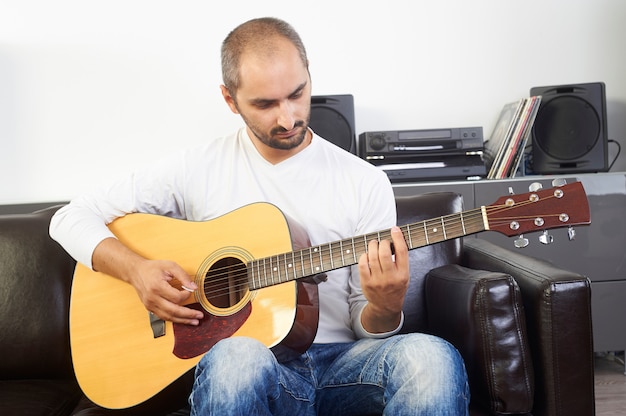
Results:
[356, 365]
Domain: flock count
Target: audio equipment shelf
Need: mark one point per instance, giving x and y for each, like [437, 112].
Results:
[597, 251]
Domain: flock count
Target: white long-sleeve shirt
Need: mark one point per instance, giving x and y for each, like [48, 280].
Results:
[331, 193]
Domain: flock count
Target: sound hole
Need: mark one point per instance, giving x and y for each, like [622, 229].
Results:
[567, 128]
[226, 283]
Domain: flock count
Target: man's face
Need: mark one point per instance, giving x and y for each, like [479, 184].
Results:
[274, 98]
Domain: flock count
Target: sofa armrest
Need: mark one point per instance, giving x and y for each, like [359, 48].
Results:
[481, 314]
[558, 316]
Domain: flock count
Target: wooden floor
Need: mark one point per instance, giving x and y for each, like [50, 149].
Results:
[610, 385]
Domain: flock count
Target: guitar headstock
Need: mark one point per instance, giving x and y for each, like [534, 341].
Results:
[539, 210]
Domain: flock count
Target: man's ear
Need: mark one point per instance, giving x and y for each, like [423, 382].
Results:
[230, 100]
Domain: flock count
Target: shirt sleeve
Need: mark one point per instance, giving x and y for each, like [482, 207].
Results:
[361, 332]
[79, 230]
[82, 224]
[379, 213]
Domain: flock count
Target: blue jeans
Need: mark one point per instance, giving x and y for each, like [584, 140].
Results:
[414, 374]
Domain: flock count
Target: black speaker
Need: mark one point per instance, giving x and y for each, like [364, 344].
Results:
[332, 117]
[569, 133]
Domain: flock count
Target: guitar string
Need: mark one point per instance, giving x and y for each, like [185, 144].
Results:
[222, 275]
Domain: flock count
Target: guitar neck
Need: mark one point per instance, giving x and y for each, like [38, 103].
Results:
[322, 258]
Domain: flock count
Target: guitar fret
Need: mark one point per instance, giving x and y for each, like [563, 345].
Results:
[425, 232]
[443, 228]
[274, 269]
[311, 259]
[254, 274]
[409, 236]
[463, 223]
[257, 281]
[264, 274]
[286, 268]
[320, 267]
[343, 260]
[315, 257]
[278, 269]
[330, 254]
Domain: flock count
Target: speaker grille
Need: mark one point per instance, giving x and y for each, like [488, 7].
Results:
[332, 117]
[567, 128]
[569, 133]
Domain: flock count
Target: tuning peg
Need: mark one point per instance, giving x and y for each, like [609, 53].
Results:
[559, 182]
[535, 186]
[520, 242]
[511, 192]
[546, 238]
[571, 233]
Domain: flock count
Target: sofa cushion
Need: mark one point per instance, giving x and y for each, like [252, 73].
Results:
[38, 397]
[482, 314]
[35, 280]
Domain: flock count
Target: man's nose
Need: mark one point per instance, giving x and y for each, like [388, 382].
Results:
[285, 117]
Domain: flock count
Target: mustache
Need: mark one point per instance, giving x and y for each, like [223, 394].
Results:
[297, 124]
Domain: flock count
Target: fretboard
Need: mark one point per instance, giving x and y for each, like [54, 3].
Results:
[281, 268]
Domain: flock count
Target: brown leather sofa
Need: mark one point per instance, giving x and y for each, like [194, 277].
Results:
[522, 325]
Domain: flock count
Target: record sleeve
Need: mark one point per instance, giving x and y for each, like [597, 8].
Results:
[497, 144]
[519, 154]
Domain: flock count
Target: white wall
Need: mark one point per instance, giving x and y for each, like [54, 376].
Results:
[90, 89]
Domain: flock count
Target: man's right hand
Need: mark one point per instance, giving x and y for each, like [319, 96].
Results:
[152, 279]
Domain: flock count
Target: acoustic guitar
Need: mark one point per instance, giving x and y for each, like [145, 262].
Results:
[255, 272]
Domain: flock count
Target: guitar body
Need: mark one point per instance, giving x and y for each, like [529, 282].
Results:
[117, 358]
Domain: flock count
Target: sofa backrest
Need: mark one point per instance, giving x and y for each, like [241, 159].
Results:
[418, 208]
[35, 282]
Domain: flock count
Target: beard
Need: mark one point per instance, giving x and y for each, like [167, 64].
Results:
[273, 140]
